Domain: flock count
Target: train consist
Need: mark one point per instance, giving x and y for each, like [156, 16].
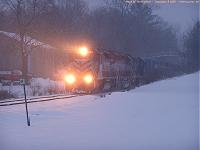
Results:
[98, 70]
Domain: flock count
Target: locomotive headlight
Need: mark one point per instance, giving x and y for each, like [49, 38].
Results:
[88, 78]
[70, 78]
[83, 51]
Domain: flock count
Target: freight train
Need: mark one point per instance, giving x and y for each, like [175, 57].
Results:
[99, 70]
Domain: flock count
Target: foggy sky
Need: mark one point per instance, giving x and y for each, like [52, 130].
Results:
[182, 16]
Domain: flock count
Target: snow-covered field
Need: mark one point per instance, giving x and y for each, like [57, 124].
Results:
[160, 116]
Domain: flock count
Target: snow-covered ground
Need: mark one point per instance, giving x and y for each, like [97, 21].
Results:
[160, 116]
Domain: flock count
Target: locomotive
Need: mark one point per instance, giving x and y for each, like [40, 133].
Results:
[100, 70]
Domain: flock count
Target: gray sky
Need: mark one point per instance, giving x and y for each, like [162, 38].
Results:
[181, 15]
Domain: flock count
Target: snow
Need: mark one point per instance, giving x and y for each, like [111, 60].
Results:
[40, 86]
[159, 116]
[27, 39]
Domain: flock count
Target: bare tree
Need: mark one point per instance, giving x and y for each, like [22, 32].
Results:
[24, 12]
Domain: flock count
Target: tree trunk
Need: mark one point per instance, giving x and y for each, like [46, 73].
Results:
[25, 67]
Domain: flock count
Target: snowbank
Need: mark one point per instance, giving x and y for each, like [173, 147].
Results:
[159, 116]
[41, 86]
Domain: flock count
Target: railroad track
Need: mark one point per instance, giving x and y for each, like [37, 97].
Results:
[9, 102]
[18, 101]
[28, 98]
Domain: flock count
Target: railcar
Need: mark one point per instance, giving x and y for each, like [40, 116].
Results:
[13, 77]
[8, 77]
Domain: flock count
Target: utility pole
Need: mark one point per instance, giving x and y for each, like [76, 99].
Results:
[24, 73]
[26, 104]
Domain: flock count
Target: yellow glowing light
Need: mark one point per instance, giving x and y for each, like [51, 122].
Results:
[70, 79]
[83, 51]
[88, 78]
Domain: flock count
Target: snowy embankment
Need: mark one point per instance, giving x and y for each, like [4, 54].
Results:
[159, 116]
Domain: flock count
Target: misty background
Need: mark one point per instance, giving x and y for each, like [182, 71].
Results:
[138, 29]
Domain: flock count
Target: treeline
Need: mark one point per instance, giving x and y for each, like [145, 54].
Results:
[191, 45]
[117, 25]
